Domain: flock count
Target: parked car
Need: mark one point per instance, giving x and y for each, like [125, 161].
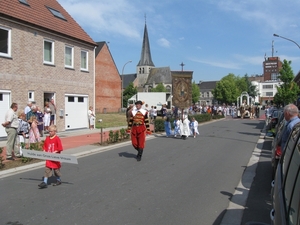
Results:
[276, 148]
[276, 114]
[286, 188]
[274, 118]
[272, 122]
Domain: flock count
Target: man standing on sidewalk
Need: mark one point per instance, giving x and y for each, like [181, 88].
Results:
[139, 126]
[291, 116]
[53, 111]
[11, 125]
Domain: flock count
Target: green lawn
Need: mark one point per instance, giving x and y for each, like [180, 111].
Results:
[111, 120]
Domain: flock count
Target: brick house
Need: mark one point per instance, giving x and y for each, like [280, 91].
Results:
[45, 54]
[107, 81]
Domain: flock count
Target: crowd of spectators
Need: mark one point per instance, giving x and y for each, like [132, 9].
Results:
[27, 126]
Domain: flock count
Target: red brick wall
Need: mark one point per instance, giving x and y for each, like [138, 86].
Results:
[107, 83]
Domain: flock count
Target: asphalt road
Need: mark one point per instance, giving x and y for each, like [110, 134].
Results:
[177, 182]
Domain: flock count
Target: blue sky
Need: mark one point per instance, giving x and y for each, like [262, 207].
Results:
[211, 37]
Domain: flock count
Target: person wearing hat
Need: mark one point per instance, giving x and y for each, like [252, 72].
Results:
[138, 126]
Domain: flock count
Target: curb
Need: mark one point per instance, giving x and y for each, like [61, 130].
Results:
[25, 168]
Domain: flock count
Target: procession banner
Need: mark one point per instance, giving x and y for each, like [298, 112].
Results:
[50, 156]
[182, 89]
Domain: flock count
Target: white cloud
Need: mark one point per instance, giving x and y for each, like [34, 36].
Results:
[226, 65]
[118, 17]
[163, 42]
[268, 14]
[253, 60]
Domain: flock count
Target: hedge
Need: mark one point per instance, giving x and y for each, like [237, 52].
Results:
[201, 118]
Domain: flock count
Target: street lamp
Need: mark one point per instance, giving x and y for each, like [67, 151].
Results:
[276, 35]
[122, 84]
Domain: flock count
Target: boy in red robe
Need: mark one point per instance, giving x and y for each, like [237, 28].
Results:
[52, 144]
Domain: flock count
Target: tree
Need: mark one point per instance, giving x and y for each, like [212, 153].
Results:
[288, 91]
[195, 93]
[250, 88]
[159, 88]
[227, 90]
[128, 93]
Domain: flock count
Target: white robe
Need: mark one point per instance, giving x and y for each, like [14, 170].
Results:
[185, 127]
[195, 127]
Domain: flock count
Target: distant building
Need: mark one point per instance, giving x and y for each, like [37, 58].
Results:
[266, 91]
[206, 96]
[148, 76]
[271, 68]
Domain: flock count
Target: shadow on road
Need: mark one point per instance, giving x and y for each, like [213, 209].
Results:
[258, 204]
[127, 155]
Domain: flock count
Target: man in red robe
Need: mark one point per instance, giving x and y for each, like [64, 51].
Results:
[139, 126]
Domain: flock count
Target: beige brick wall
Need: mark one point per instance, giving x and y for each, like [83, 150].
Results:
[25, 71]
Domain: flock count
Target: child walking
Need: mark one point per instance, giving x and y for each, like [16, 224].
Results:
[167, 126]
[52, 144]
[23, 131]
[177, 126]
[194, 127]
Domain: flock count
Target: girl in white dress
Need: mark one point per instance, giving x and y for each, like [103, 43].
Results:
[47, 114]
[194, 127]
[91, 116]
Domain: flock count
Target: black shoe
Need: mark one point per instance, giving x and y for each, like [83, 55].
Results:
[139, 155]
[43, 185]
[10, 158]
[57, 183]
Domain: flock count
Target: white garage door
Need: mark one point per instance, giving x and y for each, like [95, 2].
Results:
[76, 108]
[4, 106]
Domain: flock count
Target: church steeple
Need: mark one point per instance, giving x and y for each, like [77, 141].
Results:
[146, 53]
[145, 64]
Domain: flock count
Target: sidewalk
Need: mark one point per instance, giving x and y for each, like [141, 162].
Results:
[77, 138]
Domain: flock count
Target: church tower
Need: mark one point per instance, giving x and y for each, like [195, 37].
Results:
[145, 64]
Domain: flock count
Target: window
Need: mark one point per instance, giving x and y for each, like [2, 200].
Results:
[269, 86]
[71, 99]
[168, 88]
[208, 94]
[84, 60]
[5, 42]
[49, 52]
[56, 13]
[31, 96]
[69, 57]
[80, 99]
[269, 94]
[274, 76]
[24, 2]
[1, 97]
